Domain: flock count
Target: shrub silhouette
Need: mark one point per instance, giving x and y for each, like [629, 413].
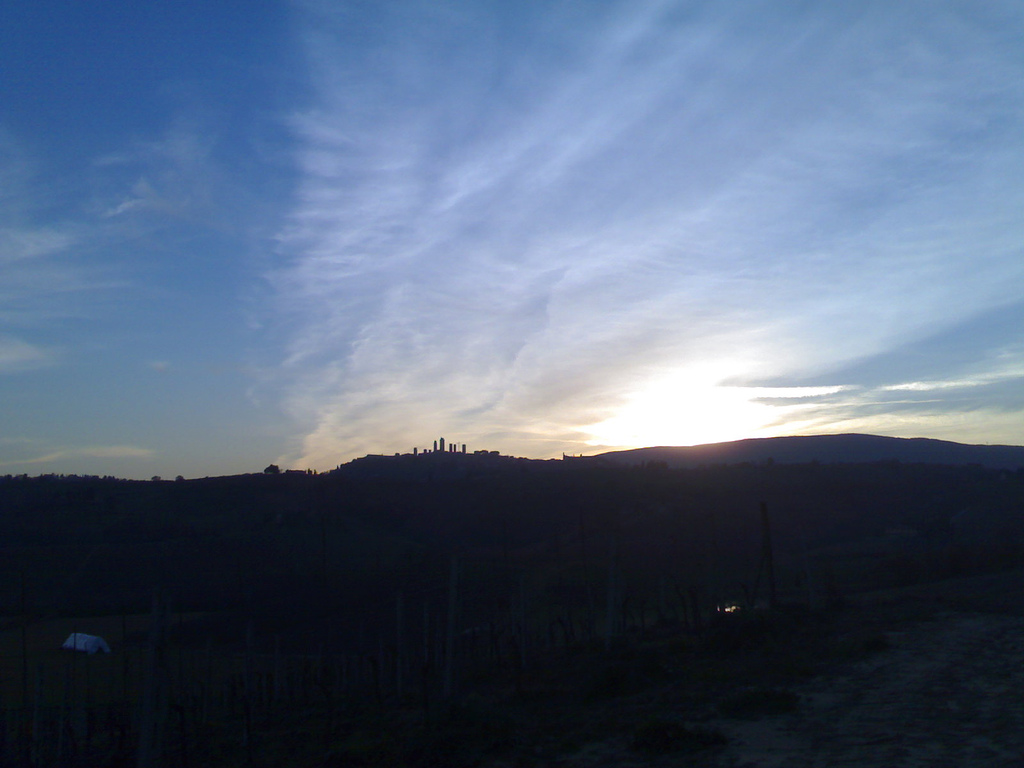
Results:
[758, 702]
[661, 737]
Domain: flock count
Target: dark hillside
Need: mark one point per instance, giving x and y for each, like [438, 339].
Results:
[89, 544]
[826, 449]
[353, 604]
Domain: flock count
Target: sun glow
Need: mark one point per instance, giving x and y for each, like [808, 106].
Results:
[693, 407]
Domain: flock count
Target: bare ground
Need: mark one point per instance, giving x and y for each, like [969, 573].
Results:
[949, 692]
[946, 688]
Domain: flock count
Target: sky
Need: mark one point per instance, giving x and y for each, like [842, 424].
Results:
[298, 233]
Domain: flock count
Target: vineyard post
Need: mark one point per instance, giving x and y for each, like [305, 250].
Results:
[398, 645]
[453, 607]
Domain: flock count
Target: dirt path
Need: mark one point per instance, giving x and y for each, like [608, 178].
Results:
[948, 692]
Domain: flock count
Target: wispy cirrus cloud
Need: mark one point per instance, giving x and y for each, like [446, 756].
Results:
[521, 237]
[964, 382]
[176, 174]
[73, 452]
[47, 275]
[88, 245]
[17, 355]
[105, 269]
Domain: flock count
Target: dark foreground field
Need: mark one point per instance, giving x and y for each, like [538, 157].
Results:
[929, 675]
[517, 614]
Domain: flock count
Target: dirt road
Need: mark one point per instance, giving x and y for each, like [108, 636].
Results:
[947, 692]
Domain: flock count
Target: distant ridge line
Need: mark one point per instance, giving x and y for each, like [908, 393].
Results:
[825, 449]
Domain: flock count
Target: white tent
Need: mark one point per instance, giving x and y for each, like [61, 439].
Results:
[89, 643]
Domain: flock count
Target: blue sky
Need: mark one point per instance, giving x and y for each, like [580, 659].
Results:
[298, 233]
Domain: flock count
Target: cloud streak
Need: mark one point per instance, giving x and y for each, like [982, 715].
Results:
[516, 240]
[47, 275]
[17, 356]
[83, 452]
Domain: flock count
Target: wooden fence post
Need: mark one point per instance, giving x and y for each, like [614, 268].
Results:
[398, 646]
[36, 723]
[154, 696]
[248, 694]
[453, 606]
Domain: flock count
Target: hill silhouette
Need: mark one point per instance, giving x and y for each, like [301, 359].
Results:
[826, 449]
[478, 609]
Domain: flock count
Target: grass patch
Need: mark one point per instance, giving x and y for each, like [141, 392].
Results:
[663, 737]
[759, 702]
[876, 644]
